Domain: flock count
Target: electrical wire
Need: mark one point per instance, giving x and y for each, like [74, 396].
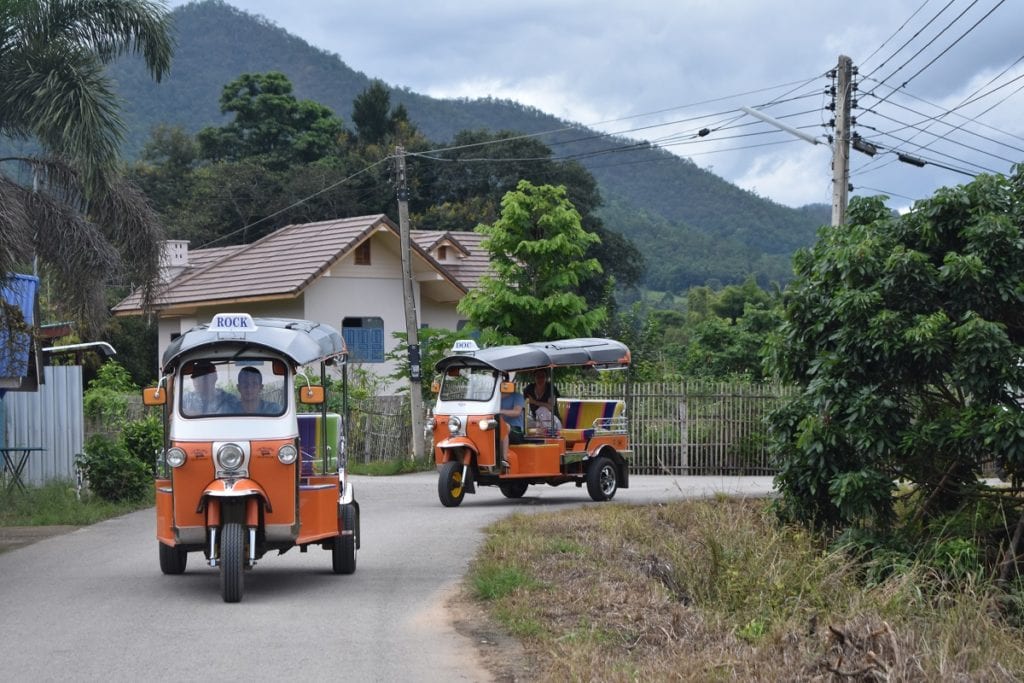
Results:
[296, 203]
[895, 33]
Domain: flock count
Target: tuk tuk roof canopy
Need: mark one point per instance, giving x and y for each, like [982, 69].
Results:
[581, 352]
[303, 341]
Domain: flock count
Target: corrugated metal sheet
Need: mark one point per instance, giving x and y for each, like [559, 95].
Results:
[50, 418]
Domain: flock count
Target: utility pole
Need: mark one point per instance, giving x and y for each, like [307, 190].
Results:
[411, 323]
[841, 143]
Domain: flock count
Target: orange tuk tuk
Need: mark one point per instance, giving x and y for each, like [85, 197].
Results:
[585, 441]
[244, 472]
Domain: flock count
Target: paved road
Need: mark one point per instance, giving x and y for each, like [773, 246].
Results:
[92, 605]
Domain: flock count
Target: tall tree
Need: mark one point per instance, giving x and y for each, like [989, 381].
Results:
[83, 220]
[271, 125]
[537, 250]
[375, 121]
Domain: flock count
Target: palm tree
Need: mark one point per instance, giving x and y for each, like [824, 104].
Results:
[68, 203]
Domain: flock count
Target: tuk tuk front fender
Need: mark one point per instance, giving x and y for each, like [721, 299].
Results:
[455, 442]
[233, 488]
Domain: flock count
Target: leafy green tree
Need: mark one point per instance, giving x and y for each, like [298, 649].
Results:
[83, 221]
[537, 250]
[906, 334]
[484, 166]
[271, 125]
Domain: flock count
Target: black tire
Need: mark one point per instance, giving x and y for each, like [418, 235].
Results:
[172, 559]
[450, 487]
[513, 489]
[232, 561]
[343, 552]
[602, 479]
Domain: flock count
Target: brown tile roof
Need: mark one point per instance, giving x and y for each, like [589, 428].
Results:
[473, 261]
[294, 256]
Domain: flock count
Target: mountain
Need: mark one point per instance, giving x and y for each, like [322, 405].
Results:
[691, 225]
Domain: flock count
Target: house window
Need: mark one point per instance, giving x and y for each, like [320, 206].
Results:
[362, 254]
[364, 338]
[442, 253]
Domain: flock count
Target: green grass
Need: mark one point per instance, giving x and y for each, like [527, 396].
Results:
[56, 503]
[717, 590]
[385, 468]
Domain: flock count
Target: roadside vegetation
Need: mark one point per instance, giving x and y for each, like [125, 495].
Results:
[58, 503]
[718, 590]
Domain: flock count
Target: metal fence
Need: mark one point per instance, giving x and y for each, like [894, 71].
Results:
[679, 428]
[50, 419]
[379, 428]
[694, 428]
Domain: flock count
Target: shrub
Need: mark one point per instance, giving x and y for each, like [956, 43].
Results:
[113, 473]
[144, 439]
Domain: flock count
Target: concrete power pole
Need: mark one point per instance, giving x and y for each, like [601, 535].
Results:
[841, 144]
[411, 323]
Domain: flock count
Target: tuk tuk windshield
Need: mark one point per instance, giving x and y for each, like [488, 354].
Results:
[240, 387]
[468, 384]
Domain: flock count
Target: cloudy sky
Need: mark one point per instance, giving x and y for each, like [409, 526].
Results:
[939, 80]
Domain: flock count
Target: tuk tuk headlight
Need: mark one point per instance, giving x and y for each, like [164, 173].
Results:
[287, 454]
[230, 457]
[175, 457]
[454, 425]
[488, 424]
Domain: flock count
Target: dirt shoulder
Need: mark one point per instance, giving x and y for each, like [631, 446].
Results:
[13, 537]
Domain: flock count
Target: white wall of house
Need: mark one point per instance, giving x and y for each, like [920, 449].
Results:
[443, 315]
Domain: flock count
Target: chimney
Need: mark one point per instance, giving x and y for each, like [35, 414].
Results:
[175, 254]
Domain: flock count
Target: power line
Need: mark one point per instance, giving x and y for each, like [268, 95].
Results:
[948, 48]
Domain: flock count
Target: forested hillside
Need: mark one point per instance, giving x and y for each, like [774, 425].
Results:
[691, 225]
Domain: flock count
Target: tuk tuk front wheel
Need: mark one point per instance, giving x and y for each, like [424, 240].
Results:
[602, 479]
[513, 489]
[343, 552]
[172, 559]
[232, 561]
[450, 487]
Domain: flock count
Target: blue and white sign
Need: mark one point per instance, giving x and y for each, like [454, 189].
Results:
[232, 322]
[466, 346]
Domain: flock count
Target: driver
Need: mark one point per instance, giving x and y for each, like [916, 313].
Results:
[512, 408]
[206, 398]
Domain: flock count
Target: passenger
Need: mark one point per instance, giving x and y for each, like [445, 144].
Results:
[206, 398]
[250, 388]
[542, 398]
[512, 408]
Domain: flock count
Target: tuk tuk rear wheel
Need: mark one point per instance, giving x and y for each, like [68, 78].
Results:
[172, 559]
[343, 552]
[232, 561]
[450, 487]
[513, 489]
[602, 479]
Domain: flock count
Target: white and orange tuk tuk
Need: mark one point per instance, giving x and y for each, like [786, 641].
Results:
[588, 444]
[243, 471]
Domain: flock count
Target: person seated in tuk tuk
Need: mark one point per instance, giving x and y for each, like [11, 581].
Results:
[512, 407]
[250, 389]
[207, 398]
[542, 396]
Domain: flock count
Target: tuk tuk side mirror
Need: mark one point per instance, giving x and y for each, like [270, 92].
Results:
[435, 386]
[508, 387]
[311, 395]
[154, 396]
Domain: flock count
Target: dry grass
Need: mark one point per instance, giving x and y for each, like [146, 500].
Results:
[713, 590]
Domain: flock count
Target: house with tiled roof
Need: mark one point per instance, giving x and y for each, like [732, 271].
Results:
[345, 272]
